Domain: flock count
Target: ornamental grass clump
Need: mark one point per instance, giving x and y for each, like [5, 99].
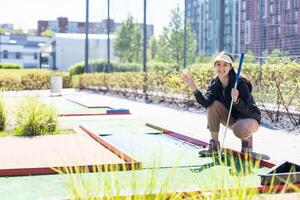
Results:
[3, 115]
[227, 177]
[35, 118]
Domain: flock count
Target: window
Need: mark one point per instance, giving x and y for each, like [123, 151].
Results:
[227, 30]
[227, 11]
[244, 16]
[210, 30]
[5, 54]
[35, 56]
[278, 19]
[263, 9]
[273, 20]
[272, 9]
[288, 4]
[206, 16]
[296, 28]
[18, 55]
[247, 32]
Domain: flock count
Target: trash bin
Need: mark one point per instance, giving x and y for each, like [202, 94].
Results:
[56, 85]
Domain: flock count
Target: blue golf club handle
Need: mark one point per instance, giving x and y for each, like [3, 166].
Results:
[239, 70]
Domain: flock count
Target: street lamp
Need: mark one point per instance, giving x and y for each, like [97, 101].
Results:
[184, 35]
[108, 69]
[86, 47]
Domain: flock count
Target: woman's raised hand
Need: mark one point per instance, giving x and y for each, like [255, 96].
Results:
[188, 79]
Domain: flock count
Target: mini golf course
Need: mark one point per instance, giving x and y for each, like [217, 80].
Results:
[80, 107]
[160, 155]
[151, 159]
[44, 154]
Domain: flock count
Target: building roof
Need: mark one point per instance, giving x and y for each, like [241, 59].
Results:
[76, 36]
[82, 36]
[24, 40]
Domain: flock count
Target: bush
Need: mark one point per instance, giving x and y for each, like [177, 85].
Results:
[160, 67]
[29, 79]
[101, 66]
[279, 85]
[77, 68]
[35, 118]
[126, 67]
[3, 115]
[10, 66]
[9, 81]
[35, 80]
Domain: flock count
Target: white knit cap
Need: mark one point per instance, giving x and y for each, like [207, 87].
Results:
[222, 57]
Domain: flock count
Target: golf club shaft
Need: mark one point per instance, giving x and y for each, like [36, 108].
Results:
[231, 103]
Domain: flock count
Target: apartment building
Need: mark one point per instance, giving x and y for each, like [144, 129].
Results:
[270, 24]
[193, 16]
[242, 25]
[21, 49]
[63, 25]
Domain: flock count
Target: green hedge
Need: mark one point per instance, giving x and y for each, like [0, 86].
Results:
[276, 80]
[29, 79]
[101, 66]
[3, 115]
[10, 66]
[77, 68]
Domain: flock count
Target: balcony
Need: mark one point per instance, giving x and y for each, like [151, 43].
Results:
[274, 36]
[275, 12]
[290, 34]
[291, 21]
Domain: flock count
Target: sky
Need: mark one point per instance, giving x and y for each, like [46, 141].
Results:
[25, 13]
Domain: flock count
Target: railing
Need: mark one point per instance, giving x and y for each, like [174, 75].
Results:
[274, 112]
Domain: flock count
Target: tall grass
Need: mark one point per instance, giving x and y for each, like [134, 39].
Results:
[3, 116]
[136, 184]
[225, 181]
[35, 118]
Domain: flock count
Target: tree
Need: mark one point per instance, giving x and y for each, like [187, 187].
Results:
[249, 57]
[153, 48]
[276, 56]
[171, 42]
[128, 41]
[18, 31]
[48, 33]
[202, 58]
[2, 31]
[31, 31]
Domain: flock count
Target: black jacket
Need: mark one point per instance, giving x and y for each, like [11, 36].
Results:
[246, 108]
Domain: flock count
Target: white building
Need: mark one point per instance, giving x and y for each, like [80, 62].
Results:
[7, 27]
[21, 49]
[66, 49]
